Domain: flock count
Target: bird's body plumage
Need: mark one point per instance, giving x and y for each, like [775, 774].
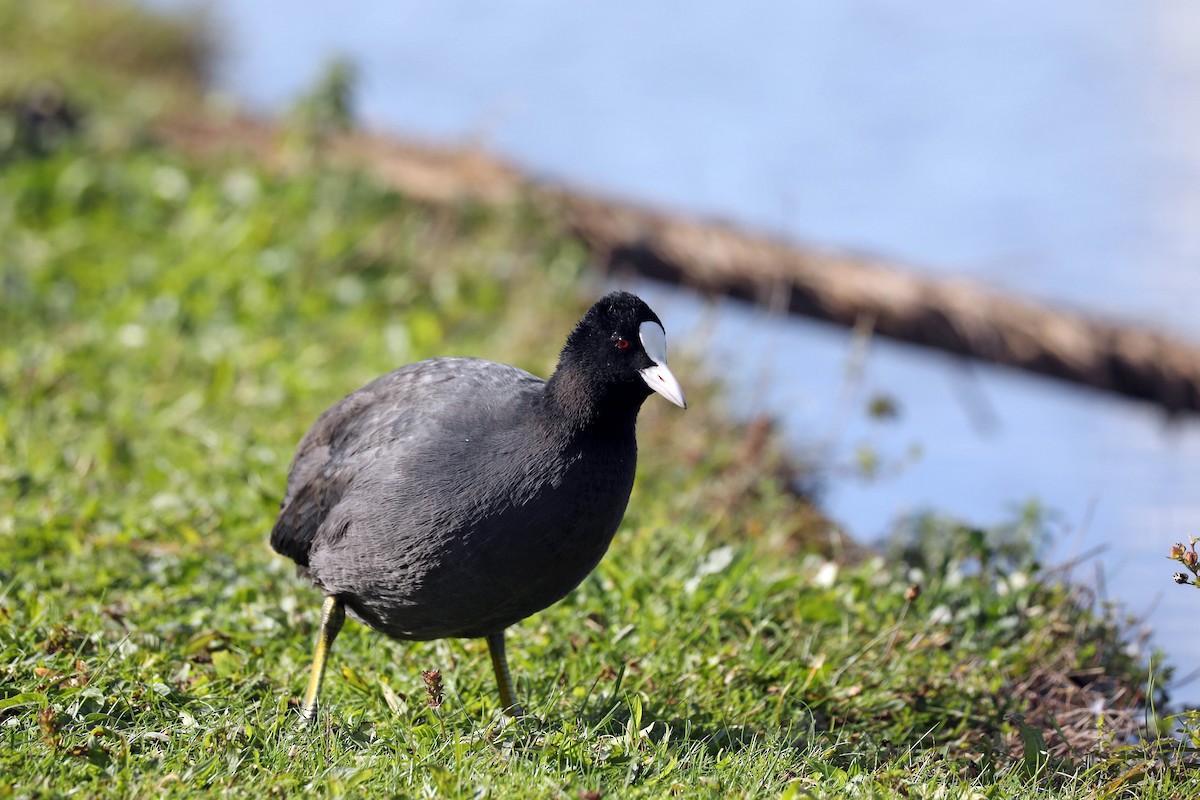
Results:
[436, 504]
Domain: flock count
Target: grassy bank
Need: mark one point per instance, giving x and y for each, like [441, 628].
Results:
[169, 327]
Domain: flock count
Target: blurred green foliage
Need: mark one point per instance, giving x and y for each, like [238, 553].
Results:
[112, 53]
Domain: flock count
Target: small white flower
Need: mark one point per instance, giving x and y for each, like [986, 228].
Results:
[826, 576]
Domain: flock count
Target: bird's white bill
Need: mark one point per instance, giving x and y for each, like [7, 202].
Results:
[659, 377]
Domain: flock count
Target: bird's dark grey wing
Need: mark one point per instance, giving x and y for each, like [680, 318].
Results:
[388, 413]
[301, 517]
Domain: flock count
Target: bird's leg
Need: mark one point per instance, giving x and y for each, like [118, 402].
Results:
[333, 614]
[503, 677]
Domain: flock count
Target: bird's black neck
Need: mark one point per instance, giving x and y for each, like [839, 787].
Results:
[576, 403]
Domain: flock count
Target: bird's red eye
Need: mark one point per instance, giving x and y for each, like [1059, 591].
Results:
[622, 344]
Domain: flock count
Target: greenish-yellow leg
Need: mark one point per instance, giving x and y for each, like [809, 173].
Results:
[333, 614]
[503, 676]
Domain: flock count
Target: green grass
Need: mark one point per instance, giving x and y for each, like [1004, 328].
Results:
[169, 329]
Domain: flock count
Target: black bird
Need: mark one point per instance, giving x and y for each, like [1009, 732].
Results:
[454, 497]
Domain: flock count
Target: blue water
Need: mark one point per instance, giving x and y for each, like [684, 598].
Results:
[1047, 149]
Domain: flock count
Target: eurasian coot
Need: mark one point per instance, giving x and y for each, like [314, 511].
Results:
[454, 497]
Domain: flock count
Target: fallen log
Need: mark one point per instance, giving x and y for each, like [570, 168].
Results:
[721, 260]
[951, 315]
